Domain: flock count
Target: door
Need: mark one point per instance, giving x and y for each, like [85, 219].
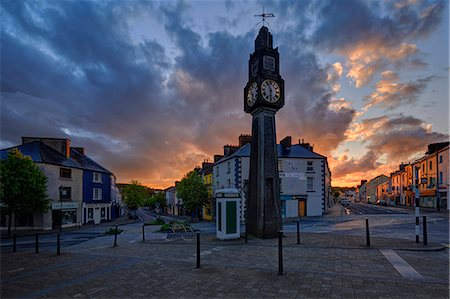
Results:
[301, 208]
[97, 215]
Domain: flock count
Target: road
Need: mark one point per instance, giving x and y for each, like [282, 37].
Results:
[383, 221]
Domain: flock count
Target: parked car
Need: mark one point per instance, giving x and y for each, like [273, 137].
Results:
[345, 202]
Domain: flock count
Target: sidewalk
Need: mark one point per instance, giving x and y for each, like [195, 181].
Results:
[323, 265]
[123, 220]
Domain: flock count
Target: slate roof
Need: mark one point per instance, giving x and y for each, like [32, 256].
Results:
[86, 163]
[295, 151]
[42, 153]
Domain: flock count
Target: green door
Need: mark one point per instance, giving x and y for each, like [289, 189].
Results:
[231, 217]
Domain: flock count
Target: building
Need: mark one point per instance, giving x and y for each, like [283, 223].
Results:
[371, 188]
[97, 185]
[174, 204]
[398, 186]
[206, 173]
[430, 169]
[68, 172]
[305, 178]
[360, 192]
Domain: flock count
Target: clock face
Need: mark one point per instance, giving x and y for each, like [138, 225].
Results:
[252, 94]
[270, 91]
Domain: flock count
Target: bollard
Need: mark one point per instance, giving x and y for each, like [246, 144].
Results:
[143, 233]
[14, 243]
[198, 250]
[58, 245]
[417, 228]
[298, 232]
[367, 233]
[115, 237]
[425, 233]
[37, 243]
[280, 252]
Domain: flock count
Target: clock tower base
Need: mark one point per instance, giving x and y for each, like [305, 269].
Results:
[264, 205]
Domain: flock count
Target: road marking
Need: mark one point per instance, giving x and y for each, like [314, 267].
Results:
[401, 265]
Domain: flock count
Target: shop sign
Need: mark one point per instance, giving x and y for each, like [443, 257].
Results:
[64, 205]
[293, 175]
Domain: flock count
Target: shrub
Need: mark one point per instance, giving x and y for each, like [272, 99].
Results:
[156, 222]
[112, 231]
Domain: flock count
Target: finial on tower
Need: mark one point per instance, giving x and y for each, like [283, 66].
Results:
[264, 16]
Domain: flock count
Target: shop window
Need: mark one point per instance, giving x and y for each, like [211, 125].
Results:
[24, 219]
[69, 217]
[90, 214]
[65, 173]
[102, 213]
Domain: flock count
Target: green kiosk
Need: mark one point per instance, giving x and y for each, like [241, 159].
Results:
[228, 205]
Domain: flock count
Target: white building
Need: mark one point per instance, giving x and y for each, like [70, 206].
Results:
[305, 178]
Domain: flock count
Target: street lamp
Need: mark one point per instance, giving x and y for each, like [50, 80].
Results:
[60, 207]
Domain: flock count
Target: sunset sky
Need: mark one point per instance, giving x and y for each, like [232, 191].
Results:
[151, 89]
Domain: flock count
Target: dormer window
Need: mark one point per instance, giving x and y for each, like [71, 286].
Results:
[97, 177]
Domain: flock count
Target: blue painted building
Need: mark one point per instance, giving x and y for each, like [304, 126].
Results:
[98, 205]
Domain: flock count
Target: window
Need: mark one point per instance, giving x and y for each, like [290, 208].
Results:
[423, 167]
[65, 193]
[228, 167]
[217, 171]
[65, 173]
[309, 184]
[97, 194]
[440, 177]
[440, 159]
[309, 168]
[280, 165]
[431, 165]
[97, 177]
[102, 213]
[269, 63]
[229, 183]
[310, 163]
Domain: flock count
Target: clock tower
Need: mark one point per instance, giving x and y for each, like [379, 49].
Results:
[263, 97]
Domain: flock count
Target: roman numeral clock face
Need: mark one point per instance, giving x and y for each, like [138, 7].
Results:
[270, 91]
[252, 94]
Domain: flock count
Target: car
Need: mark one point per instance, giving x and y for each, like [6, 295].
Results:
[345, 202]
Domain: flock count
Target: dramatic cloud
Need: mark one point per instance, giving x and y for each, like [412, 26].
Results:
[389, 93]
[150, 93]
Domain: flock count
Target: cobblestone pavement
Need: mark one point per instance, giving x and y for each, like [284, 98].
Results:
[323, 265]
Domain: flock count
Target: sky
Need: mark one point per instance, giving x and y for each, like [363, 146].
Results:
[153, 89]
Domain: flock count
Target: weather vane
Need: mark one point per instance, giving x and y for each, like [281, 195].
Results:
[264, 16]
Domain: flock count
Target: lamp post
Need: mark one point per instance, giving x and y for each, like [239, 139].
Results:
[60, 207]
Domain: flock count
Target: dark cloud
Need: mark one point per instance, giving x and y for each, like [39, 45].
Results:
[73, 69]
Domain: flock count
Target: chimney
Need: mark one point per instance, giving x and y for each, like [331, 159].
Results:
[79, 149]
[244, 139]
[61, 145]
[305, 145]
[217, 158]
[286, 142]
[206, 165]
[229, 149]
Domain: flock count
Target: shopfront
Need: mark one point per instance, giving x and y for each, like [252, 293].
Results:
[65, 214]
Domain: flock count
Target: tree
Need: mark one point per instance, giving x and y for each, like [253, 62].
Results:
[23, 186]
[135, 195]
[192, 191]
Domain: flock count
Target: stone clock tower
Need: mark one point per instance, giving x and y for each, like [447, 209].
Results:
[263, 97]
